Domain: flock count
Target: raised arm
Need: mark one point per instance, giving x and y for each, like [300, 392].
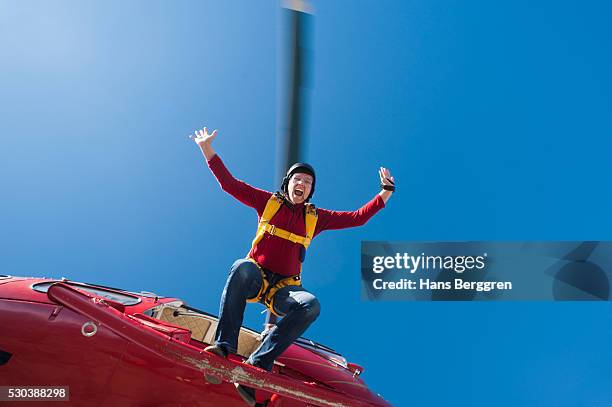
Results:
[204, 141]
[245, 193]
[345, 219]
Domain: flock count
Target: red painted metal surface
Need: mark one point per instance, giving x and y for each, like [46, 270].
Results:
[135, 360]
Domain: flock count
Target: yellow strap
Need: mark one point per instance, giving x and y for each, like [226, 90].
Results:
[273, 205]
[273, 230]
[311, 223]
[264, 282]
[268, 300]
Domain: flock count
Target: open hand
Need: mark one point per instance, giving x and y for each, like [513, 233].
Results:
[202, 138]
[385, 177]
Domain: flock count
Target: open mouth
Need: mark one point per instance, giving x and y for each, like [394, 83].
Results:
[298, 192]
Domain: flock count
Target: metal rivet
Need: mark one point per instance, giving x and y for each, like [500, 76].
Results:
[89, 332]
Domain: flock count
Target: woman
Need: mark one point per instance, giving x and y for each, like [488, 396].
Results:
[271, 273]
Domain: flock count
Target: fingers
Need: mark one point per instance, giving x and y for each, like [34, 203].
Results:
[385, 176]
[195, 136]
[203, 133]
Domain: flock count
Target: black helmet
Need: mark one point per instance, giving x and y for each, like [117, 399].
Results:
[301, 168]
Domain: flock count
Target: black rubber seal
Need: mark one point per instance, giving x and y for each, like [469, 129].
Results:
[4, 357]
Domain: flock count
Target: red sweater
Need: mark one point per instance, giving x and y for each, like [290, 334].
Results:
[272, 252]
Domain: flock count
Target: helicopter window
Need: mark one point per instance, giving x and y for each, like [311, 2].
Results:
[99, 292]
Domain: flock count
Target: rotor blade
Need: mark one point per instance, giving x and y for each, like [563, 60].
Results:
[295, 106]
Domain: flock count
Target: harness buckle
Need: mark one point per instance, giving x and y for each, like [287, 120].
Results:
[272, 229]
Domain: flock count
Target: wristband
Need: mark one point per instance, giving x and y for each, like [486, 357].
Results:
[388, 187]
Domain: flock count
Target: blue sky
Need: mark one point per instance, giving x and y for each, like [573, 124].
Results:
[494, 118]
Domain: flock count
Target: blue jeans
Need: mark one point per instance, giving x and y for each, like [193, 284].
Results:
[299, 308]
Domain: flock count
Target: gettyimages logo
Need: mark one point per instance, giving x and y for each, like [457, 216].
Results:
[433, 273]
[413, 264]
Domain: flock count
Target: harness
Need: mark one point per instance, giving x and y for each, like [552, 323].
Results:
[269, 287]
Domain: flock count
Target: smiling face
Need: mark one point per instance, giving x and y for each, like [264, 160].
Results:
[299, 187]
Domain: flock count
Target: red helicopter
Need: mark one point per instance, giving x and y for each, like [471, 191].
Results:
[113, 347]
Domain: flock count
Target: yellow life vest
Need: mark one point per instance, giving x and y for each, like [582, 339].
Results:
[266, 293]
